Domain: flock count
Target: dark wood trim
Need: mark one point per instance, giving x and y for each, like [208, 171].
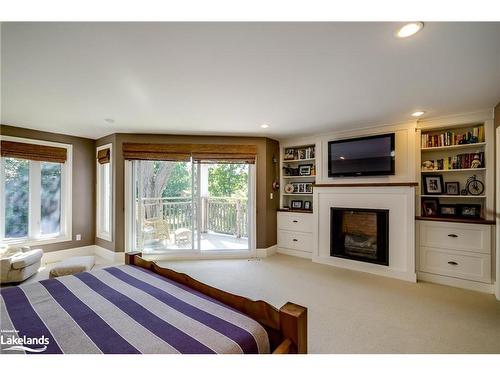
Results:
[289, 322]
[456, 220]
[295, 211]
[369, 184]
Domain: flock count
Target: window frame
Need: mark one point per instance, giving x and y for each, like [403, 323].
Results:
[34, 215]
[107, 236]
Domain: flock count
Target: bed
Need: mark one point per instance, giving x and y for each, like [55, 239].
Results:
[141, 307]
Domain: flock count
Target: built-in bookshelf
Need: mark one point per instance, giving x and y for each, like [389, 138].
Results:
[298, 175]
[455, 172]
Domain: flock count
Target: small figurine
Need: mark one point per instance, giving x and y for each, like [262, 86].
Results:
[428, 165]
[476, 162]
[463, 192]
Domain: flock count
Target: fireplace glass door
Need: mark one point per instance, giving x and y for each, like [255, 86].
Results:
[360, 234]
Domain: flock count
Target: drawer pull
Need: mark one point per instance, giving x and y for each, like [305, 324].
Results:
[453, 263]
[452, 235]
[295, 221]
[295, 240]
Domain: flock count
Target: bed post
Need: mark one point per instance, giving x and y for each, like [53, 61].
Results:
[130, 257]
[293, 323]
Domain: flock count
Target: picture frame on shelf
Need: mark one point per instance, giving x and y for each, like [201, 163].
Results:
[305, 170]
[448, 210]
[472, 211]
[289, 154]
[430, 207]
[433, 184]
[452, 188]
[308, 187]
[296, 204]
[307, 205]
[301, 154]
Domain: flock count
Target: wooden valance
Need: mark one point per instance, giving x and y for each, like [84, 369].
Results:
[104, 156]
[203, 153]
[32, 151]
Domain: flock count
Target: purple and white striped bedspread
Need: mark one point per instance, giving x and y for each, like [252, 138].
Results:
[124, 309]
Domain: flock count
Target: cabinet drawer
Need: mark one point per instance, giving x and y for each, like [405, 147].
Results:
[295, 240]
[463, 265]
[456, 236]
[295, 222]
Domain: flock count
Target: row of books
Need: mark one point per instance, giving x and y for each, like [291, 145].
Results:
[450, 138]
[461, 161]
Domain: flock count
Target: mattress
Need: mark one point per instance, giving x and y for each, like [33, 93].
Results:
[121, 310]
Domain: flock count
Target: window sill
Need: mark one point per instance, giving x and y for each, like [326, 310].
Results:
[105, 237]
[35, 242]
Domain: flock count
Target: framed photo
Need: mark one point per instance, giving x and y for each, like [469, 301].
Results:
[430, 207]
[302, 188]
[452, 188]
[470, 210]
[307, 205]
[297, 205]
[305, 170]
[308, 187]
[433, 184]
[289, 154]
[301, 153]
[448, 210]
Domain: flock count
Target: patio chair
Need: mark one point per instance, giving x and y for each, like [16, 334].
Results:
[159, 227]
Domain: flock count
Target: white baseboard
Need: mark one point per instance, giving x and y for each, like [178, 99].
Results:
[295, 253]
[459, 283]
[263, 253]
[57, 256]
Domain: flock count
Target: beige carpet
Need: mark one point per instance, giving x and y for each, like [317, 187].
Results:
[353, 312]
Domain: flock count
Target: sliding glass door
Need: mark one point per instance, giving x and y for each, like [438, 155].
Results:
[190, 207]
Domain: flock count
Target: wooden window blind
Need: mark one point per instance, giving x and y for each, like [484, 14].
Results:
[224, 153]
[31, 151]
[203, 153]
[103, 156]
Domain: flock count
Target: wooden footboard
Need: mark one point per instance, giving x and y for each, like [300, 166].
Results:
[287, 327]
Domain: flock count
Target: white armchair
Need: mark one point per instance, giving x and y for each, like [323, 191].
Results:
[17, 264]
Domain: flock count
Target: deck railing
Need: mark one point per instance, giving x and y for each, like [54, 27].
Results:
[218, 214]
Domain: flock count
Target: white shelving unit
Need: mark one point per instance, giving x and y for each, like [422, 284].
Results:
[457, 251]
[305, 155]
[484, 173]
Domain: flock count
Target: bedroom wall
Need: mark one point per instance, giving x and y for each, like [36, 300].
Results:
[83, 221]
[266, 207]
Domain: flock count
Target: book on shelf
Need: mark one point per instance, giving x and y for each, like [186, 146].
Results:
[453, 138]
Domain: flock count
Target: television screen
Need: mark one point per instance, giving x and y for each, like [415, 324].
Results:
[367, 156]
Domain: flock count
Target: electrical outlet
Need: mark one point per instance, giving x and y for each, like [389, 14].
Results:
[78, 237]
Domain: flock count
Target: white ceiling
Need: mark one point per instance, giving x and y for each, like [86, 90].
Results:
[228, 78]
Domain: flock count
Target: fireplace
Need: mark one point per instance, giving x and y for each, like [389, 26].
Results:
[360, 234]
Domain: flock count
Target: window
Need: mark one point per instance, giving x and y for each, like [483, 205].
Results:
[104, 215]
[33, 207]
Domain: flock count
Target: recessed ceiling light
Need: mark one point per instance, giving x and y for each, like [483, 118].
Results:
[417, 113]
[409, 29]
[109, 120]
[264, 126]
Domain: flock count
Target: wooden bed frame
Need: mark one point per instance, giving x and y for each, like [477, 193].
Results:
[286, 327]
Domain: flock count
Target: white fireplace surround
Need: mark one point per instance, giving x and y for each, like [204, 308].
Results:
[399, 200]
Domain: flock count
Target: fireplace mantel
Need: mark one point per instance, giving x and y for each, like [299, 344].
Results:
[372, 184]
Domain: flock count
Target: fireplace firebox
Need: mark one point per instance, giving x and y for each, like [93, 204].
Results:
[360, 234]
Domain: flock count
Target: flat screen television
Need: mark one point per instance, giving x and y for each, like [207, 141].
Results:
[366, 156]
